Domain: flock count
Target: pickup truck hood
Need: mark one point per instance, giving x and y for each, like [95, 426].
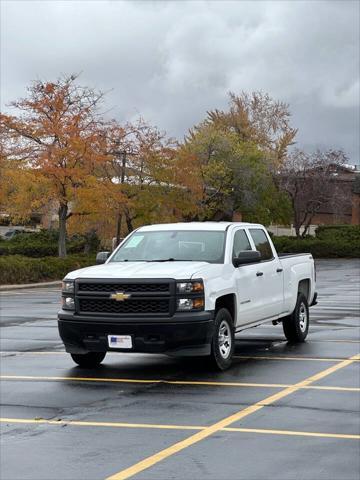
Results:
[118, 270]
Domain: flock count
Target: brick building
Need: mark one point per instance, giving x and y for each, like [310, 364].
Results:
[347, 178]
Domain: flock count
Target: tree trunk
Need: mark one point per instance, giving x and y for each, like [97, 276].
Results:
[297, 221]
[297, 228]
[120, 215]
[63, 211]
[306, 228]
[118, 228]
[307, 224]
[129, 222]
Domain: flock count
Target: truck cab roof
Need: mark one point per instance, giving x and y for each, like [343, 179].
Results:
[215, 226]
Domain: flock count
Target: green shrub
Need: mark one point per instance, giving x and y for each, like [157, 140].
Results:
[331, 241]
[45, 243]
[319, 247]
[338, 232]
[20, 269]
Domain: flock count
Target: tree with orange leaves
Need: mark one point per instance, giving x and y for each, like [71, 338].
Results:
[55, 139]
[143, 176]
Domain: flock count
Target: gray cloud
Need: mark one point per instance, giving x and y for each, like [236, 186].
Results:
[172, 61]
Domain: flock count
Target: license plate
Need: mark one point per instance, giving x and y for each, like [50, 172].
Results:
[120, 341]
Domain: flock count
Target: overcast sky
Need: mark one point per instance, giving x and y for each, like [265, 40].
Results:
[171, 61]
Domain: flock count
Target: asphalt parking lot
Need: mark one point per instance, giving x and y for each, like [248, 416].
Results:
[282, 411]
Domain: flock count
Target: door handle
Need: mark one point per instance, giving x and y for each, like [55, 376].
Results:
[259, 274]
[279, 270]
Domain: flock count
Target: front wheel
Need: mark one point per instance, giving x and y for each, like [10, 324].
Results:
[223, 342]
[88, 360]
[296, 325]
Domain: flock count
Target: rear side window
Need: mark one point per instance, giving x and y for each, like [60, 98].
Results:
[241, 243]
[262, 243]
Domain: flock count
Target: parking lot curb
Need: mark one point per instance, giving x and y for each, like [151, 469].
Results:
[30, 285]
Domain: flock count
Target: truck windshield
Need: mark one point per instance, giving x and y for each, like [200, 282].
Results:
[172, 245]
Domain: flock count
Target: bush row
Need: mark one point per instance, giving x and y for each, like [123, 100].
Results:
[332, 247]
[45, 243]
[20, 269]
[339, 232]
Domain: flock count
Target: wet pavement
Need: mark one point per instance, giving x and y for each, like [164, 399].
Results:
[282, 411]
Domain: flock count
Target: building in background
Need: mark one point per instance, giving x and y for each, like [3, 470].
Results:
[347, 212]
[347, 178]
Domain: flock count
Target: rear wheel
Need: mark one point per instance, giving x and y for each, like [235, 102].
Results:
[88, 360]
[296, 325]
[223, 342]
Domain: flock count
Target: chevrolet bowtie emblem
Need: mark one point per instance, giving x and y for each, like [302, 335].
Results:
[120, 296]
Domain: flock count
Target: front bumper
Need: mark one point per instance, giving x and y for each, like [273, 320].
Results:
[185, 334]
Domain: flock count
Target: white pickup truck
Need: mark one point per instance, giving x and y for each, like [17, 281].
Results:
[185, 289]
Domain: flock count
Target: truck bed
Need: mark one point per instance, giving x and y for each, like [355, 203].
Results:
[287, 255]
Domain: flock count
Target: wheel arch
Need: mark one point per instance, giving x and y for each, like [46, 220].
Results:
[304, 287]
[227, 301]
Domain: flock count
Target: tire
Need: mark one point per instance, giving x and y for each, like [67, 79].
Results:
[296, 325]
[88, 360]
[223, 342]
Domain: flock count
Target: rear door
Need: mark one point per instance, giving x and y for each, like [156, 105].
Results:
[269, 275]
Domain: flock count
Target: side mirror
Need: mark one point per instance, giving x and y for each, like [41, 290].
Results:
[101, 257]
[247, 256]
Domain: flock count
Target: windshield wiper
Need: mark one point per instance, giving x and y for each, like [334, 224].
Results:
[171, 260]
[162, 260]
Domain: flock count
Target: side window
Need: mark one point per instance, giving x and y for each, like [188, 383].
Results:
[262, 243]
[241, 242]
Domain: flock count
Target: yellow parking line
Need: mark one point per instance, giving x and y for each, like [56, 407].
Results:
[239, 357]
[335, 341]
[261, 385]
[225, 422]
[311, 359]
[336, 389]
[18, 352]
[80, 423]
[172, 382]
[80, 379]
[293, 433]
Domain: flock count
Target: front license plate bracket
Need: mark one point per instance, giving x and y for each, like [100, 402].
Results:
[120, 341]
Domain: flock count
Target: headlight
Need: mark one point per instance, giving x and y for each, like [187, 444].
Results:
[187, 304]
[68, 286]
[190, 287]
[68, 303]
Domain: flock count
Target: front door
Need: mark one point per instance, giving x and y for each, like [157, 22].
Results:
[249, 299]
